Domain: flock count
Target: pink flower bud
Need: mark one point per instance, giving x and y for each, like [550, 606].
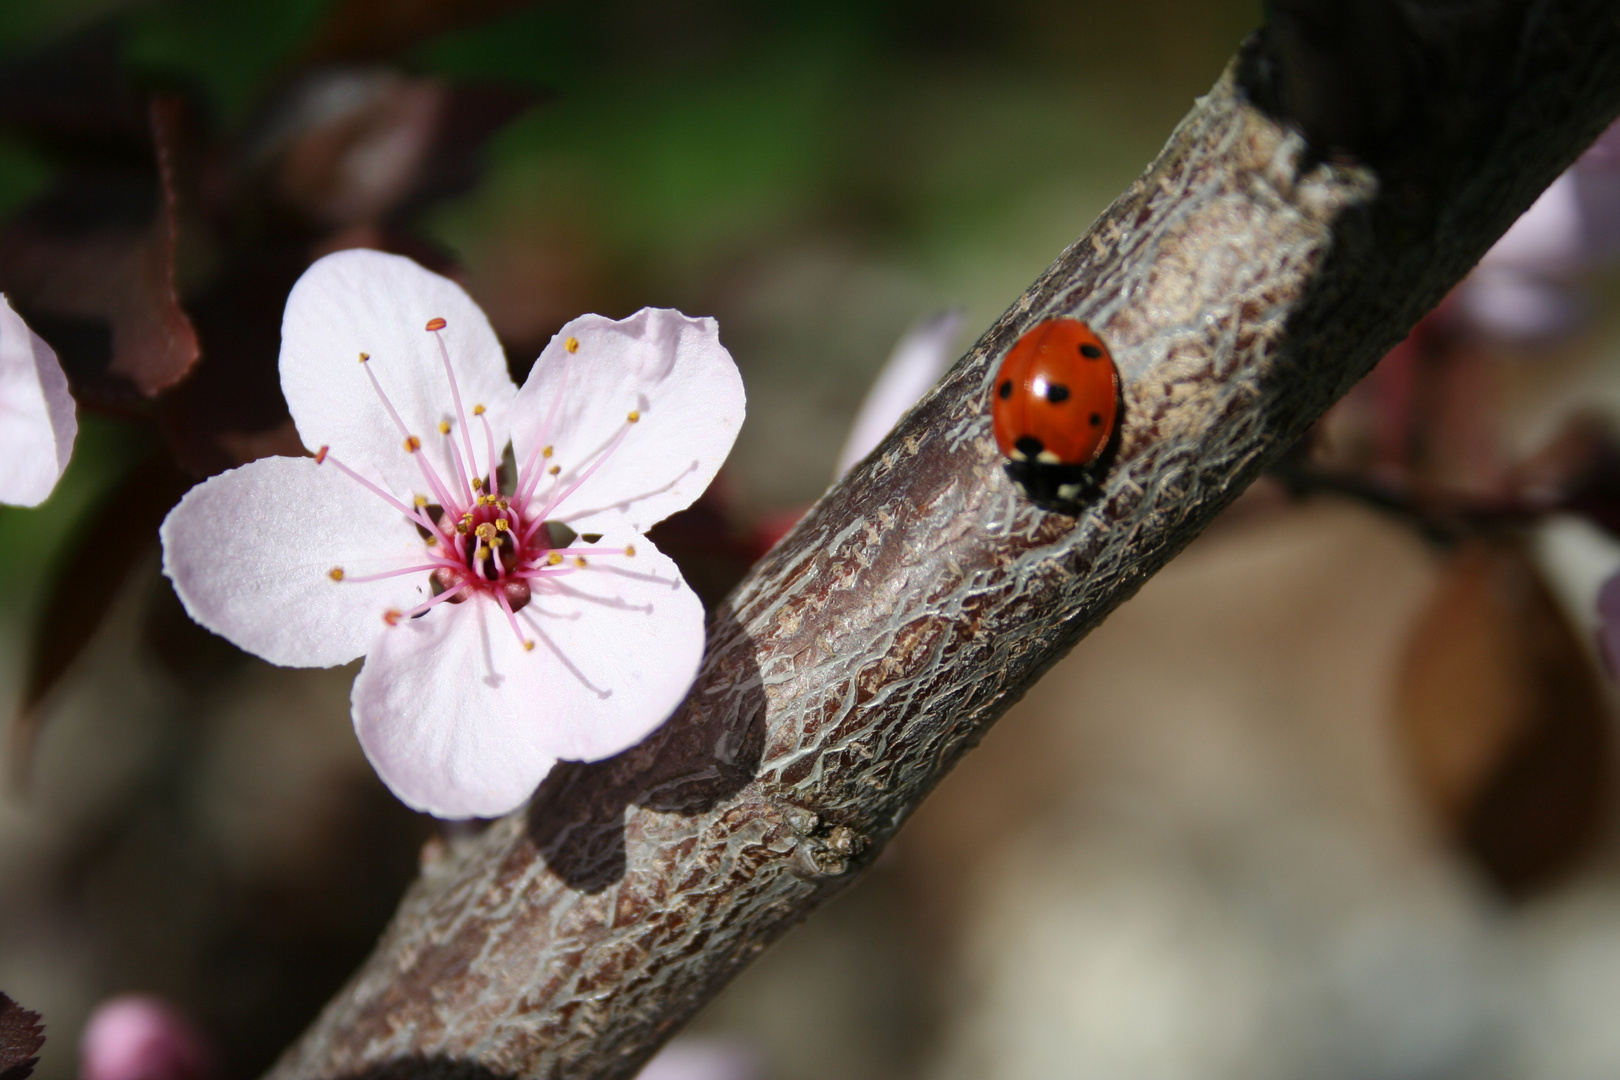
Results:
[139, 1037]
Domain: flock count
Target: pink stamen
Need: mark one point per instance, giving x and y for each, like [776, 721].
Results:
[461, 469]
[435, 485]
[441, 598]
[411, 512]
[530, 473]
[511, 618]
[455, 394]
[391, 573]
[489, 442]
[556, 500]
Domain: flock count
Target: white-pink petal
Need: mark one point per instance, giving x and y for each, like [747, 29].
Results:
[451, 711]
[460, 720]
[669, 369]
[251, 551]
[37, 421]
[363, 301]
[619, 643]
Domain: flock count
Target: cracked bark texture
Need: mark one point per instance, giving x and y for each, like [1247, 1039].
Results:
[1243, 283]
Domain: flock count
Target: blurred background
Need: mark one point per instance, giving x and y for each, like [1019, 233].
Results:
[1332, 796]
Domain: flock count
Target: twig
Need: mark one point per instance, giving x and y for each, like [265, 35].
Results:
[1243, 285]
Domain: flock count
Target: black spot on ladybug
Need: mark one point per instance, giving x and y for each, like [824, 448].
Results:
[1096, 419]
[1090, 352]
[1057, 393]
[1029, 446]
[1005, 390]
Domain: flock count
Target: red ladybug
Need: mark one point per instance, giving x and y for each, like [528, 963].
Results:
[1054, 407]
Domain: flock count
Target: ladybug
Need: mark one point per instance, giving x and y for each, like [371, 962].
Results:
[1054, 407]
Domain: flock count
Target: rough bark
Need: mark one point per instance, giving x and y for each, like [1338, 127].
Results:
[1243, 283]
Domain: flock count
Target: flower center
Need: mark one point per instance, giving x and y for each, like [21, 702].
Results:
[480, 542]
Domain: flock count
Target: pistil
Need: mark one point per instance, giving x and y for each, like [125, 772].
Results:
[481, 541]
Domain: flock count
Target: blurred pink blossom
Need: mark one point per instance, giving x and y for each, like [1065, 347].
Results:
[698, 1058]
[1527, 286]
[140, 1037]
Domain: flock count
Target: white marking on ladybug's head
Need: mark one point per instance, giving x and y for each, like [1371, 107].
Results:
[1046, 457]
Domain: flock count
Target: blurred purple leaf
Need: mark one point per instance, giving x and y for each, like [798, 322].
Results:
[21, 1036]
[1504, 721]
[91, 267]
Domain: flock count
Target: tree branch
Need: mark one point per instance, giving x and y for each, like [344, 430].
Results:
[1243, 283]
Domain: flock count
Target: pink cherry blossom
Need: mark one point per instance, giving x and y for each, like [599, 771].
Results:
[37, 424]
[495, 642]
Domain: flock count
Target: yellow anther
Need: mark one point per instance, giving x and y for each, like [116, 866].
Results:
[503, 504]
[478, 410]
[554, 470]
[412, 444]
[629, 550]
[336, 573]
[634, 416]
[553, 559]
[501, 524]
[499, 541]
[432, 540]
[478, 484]
[435, 324]
[461, 527]
[420, 501]
[480, 553]
[546, 452]
[485, 531]
[444, 427]
[572, 344]
[579, 561]
[364, 357]
[528, 646]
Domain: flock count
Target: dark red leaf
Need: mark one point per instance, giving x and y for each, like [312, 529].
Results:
[91, 267]
[22, 1035]
[1505, 721]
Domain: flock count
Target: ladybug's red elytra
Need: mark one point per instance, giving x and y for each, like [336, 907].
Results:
[1054, 407]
